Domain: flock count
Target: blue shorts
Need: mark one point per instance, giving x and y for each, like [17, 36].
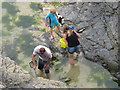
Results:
[71, 50]
[52, 19]
[53, 23]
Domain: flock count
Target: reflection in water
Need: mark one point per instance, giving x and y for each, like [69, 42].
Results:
[101, 78]
[73, 73]
[84, 74]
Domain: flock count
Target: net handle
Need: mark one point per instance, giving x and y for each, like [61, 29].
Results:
[31, 64]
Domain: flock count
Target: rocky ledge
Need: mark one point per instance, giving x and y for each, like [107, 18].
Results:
[13, 76]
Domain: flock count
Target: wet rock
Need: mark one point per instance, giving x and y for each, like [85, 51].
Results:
[56, 69]
[2, 85]
[100, 40]
[118, 75]
[65, 79]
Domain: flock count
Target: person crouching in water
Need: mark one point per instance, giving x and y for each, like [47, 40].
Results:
[53, 20]
[45, 57]
[71, 39]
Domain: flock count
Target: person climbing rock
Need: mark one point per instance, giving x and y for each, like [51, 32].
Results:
[45, 57]
[53, 20]
[71, 39]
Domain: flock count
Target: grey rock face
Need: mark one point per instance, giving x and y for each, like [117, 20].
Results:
[99, 41]
[13, 76]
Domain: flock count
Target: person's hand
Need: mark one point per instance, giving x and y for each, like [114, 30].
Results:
[34, 67]
[46, 66]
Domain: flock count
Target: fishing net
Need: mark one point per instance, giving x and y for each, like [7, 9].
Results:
[31, 63]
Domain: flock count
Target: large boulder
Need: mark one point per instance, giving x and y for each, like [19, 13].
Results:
[99, 41]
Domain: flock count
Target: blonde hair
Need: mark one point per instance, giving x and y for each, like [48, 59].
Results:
[53, 10]
[66, 28]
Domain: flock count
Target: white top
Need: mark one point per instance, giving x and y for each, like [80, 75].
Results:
[45, 56]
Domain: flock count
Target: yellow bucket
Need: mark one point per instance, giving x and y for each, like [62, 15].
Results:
[62, 42]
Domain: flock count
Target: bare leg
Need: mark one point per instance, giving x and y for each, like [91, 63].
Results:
[78, 52]
[71, 59]
[51, 33]
[48, 75]
[40, 73]
[58, 27]
[47, 72]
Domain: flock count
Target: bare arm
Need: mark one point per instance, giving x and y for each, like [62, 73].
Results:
[48, 61]
[64, 36]
[77, 34]
[45, 20]
[33, 60]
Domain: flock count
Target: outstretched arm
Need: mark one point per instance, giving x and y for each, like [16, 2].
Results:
[77, 34]
[45, 20]
[48, 61]
[33, 60]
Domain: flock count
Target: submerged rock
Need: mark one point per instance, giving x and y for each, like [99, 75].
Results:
[65, 79]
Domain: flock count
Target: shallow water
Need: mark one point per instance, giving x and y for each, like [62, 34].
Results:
[18, 44]
[84, 74]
